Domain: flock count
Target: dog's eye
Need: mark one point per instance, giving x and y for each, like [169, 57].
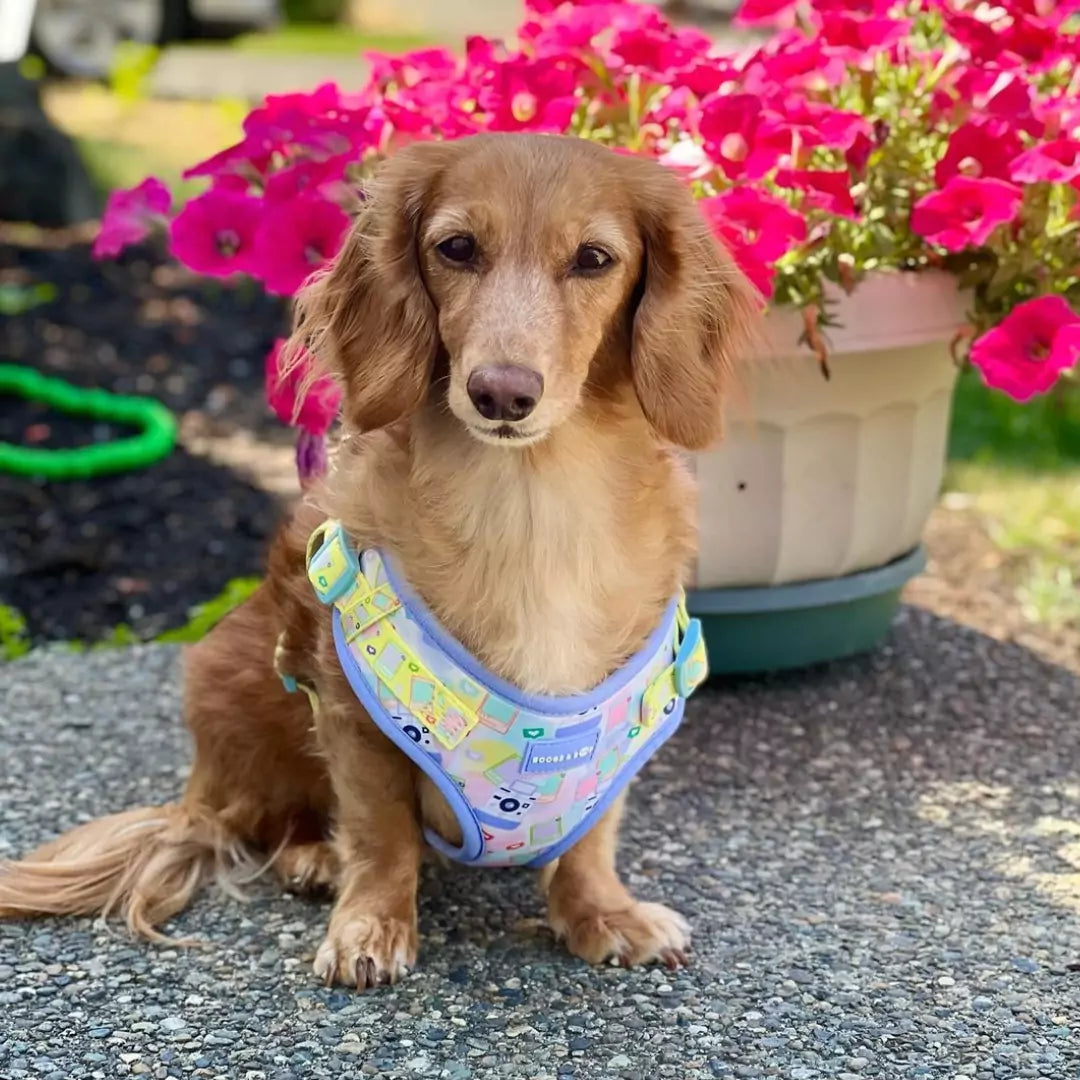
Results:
[458, 249]
[589, 259]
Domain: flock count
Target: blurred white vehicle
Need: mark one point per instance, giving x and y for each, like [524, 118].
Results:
[15, 19]
[78, 37]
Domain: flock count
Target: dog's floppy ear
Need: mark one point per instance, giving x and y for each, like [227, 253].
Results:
[368, 318]
[693, 319]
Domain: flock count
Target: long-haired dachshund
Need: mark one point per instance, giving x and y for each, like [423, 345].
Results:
[526, 330]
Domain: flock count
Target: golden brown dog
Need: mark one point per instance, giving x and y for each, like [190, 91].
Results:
[525, 327]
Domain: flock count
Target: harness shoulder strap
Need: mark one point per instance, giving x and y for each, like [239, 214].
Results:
[338, 580]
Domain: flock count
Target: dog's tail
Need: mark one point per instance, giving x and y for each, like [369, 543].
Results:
[144, 865]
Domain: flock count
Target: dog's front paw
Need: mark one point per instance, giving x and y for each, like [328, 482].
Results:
[637, 934]
[364, 951]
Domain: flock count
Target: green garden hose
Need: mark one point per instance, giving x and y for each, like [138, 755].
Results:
[155, 440]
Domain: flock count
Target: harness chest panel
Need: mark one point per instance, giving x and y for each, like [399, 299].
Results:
[525, 775]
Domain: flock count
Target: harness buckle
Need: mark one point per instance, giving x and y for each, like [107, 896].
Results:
[692, 660]
[332, 563]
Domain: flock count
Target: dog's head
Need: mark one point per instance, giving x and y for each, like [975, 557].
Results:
[522, 274]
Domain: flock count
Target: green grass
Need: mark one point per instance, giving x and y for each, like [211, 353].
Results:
[326, 40]
[1020, 465]
[204, 617]
[990, 428]
[14, 641]
[13, 638]
[117, 165]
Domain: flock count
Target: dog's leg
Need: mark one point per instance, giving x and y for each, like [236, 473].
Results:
[372, 937]
[593, 912]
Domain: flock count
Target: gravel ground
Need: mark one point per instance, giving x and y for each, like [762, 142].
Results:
[880, 859]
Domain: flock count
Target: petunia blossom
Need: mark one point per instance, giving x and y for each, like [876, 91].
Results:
[965, 212]
[992, 92]
[729, 126]
[655, 49]
[978, 148]
[687, 158]
[823, 189]
[294, 239]
[248, 159]
[311, 408]
[757, 227]
[785, 12]
[129, 216]
[1054, 162]
[214, 234]
[1029, 349]
[311, 458]
[790, 60]
[766, 13]
[859, 37]
[411, 68]
[307, 175]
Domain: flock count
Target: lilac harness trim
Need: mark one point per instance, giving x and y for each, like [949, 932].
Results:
[525, 775]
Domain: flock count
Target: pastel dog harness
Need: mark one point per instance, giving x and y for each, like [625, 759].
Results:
[525, 775]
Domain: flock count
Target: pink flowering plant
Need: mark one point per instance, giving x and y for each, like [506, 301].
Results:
[861, 136]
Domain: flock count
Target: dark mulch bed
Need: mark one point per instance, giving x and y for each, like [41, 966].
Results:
[138, 548]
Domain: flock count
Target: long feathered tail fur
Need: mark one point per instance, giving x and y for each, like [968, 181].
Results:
[144, 865]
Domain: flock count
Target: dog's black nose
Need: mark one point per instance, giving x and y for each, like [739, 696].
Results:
[507, 392]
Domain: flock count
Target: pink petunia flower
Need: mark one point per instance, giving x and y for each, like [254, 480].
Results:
[1054, 162]
[784, 12]
[307, 176]
[214, 234]
[311, 458]
[294, 239]
[305, 119]
[766, 13]
[965, 212]
[758, 229]
[571, 30]
[859, 37]
[1005, 35]
[1054, 12]
[687, 158]
[428, 110]
[729, 124]
[129, 216]
[656, 50]
[312, 409]
[978, 148]
[993, 92]
[818, 124]
[794, 62]
[546, 7]
[1029, 349]
[1059, 112]
[857, 155]
[823, 189]
[674, 107]
[246, 160]
[411, 68]
[526, 94]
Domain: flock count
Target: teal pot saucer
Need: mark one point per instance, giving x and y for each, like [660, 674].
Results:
[778, 627]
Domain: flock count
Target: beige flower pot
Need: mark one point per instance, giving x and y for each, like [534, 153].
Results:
[820, 479]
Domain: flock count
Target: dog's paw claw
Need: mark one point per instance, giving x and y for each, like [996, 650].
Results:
[674, 959]
[366, 952]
